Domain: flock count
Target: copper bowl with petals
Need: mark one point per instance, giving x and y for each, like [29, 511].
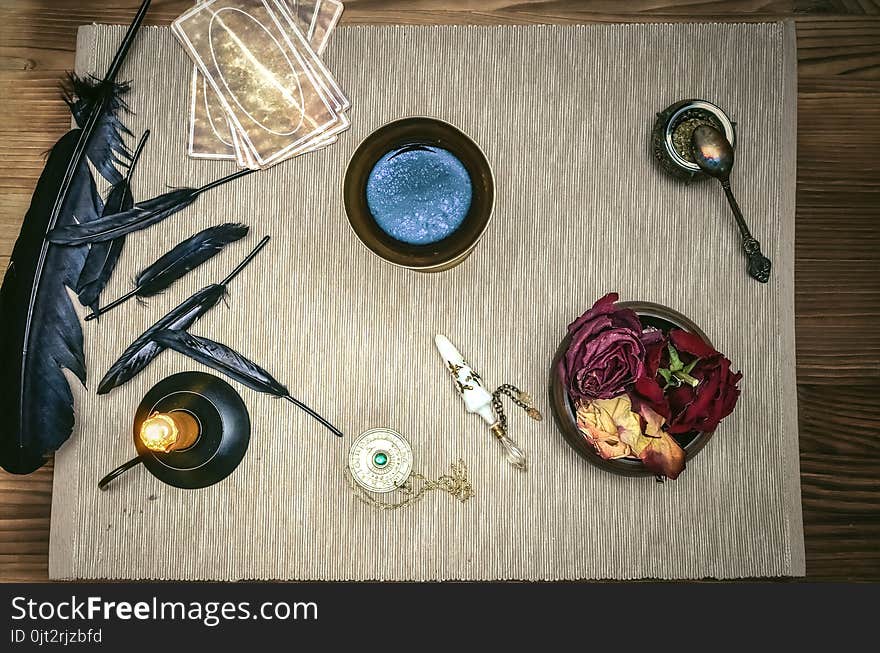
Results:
[650, 315]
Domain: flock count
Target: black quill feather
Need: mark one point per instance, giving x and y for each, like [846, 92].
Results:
[183, 258]
[41, 334]
[222, 359]
[39, 330]
[227, 361]
[143, 350]
[140, 216]
[106, 150]
[103, 257]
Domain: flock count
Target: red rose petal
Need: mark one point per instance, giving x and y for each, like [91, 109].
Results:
[690, 343]
[648, 392]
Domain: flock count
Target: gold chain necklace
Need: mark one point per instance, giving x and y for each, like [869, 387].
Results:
[455, 483]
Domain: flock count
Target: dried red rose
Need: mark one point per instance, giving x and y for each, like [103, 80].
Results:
[605, 353]
[688, 407]
[701, 408]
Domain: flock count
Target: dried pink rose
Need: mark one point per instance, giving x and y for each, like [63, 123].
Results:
[605, 353]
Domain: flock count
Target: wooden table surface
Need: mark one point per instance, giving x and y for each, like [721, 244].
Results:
[837, 234]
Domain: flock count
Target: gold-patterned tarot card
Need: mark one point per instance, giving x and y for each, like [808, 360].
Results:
[326, 15]
[298, 14]
[242, 154]
[270, 94]
[323, 75]
[208, 136]
[245, 158]
[304, 11]
[325, 79]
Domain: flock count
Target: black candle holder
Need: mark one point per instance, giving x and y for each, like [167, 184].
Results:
[224, 431]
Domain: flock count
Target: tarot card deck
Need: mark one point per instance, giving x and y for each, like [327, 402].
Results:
[260, 93]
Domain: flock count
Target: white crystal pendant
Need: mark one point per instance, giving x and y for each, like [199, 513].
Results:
[515, 456]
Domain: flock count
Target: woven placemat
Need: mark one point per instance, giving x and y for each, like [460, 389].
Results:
[564, 115]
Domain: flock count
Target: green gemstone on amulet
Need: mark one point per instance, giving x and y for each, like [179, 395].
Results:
[380, 459]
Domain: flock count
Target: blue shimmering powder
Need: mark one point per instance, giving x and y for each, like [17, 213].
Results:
[419, 194]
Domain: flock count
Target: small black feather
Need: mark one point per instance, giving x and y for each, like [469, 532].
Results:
[98, 269]
[227, 361]
[187, 256]
[223, 359]
[173, 265]
[142, 351]
[140, 216]
[103, 257]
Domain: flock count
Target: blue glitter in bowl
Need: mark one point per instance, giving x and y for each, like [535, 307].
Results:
[419, 194]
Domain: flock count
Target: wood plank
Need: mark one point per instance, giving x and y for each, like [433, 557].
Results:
[25, 507]
[840, 464]
[843, 46]
[837, 240]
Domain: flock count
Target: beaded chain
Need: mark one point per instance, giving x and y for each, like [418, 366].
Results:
[456, 484]
[518, 397]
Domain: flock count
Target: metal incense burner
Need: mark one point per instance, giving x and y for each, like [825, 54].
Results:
[696, 139]
[673, 129]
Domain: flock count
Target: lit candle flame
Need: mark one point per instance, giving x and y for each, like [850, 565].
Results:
[159, 432]
[166, 432]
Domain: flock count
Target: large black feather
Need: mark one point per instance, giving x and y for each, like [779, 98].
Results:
[183, 258]
[39, 330]
[223, 359]
[143, 350]
[103, 257]
[106, 150]
[140, 216]
[41, 334]
[227, 361]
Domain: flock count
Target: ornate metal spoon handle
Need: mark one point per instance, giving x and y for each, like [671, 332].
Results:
[759, 265]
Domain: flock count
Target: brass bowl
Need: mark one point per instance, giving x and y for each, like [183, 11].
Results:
[655, 315]
[434, 257]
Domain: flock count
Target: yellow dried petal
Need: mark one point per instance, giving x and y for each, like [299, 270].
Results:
[664, 456]
[611, 426]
